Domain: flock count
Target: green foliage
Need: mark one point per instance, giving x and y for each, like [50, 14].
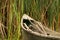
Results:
[11, 11]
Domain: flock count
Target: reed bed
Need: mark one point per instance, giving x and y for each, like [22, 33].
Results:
[11, 11]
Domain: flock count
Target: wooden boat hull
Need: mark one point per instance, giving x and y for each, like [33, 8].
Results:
[37, 31]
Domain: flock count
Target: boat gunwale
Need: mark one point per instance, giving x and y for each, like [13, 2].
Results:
[42, 35]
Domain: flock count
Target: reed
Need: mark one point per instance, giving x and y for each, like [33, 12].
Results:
[45, 11]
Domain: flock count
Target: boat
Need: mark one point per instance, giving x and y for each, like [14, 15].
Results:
[35, 30]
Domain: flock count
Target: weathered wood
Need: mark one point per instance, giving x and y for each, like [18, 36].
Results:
[34, 30]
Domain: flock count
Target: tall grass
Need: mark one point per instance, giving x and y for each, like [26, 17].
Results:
[46, 11]
[11, 11]
[10, 17]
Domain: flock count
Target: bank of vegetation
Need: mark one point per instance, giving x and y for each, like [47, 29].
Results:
[11, 11]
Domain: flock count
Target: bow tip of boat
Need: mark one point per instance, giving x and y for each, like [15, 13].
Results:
[26, 17]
